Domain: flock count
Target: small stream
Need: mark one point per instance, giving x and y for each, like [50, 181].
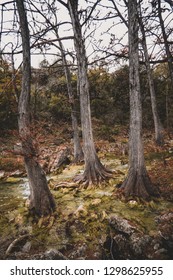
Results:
[13, 193]
[84, 212]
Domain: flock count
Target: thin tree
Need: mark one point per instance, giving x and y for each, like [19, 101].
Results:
[78, 152]
[137, 183]
[41, 200]
[165, 39]
[157, 123]
[52, 10]
[94, 171]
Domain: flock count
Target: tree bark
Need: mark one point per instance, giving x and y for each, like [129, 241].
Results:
[137, 183]
[41, 200]
[16, 92]
[78, 152]
[168, 52]
[94, 171]
[157, 123]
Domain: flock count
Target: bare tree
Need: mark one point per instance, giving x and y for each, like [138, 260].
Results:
[41, 200]
[50, 16]
[78, 152]
[165, 39]
[137, 183]
[94, 171]
[157, 123]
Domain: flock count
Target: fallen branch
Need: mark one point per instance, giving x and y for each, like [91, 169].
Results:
[15, 243]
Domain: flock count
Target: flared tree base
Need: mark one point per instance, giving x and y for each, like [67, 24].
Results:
[138, 184]
[94, 174]
[42, 202]
[45, 208]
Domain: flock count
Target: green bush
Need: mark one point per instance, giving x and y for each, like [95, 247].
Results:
[106, 132]
[59, 107]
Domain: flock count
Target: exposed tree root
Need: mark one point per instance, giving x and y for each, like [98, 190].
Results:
[138, 184]
[16, 243]
[94, 174]
[46, 222]
[65, 185]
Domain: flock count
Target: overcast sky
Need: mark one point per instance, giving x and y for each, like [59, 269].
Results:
[100, 38]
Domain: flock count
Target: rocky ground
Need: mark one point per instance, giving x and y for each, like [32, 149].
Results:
[89, 223]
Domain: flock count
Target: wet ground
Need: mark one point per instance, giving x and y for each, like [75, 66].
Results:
[81, 224]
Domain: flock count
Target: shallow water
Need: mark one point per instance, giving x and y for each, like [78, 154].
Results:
[15, 191]
[82, 215]
[13, 195]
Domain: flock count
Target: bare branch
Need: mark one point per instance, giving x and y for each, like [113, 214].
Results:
[63, 3]
[119, 13]
[92, 9]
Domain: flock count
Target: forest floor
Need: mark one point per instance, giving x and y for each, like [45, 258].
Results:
[89, 223]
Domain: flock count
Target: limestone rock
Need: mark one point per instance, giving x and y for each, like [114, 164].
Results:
[121, 225]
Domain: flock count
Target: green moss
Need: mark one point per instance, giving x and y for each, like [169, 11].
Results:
[13, 180]
[82, 214]
[157, 155]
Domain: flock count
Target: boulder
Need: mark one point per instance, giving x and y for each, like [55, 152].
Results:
[53, 254]
[121, 225]
[59, 159]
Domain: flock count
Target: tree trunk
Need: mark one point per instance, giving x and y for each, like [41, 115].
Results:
[137, 183]
[167, 108]
[94, 171]
[41, 200]
[78, 152]
[16, 92]
[168, 52]
[157, 123]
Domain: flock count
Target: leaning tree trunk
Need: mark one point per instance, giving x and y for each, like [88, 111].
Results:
[157, 123]
[94, 171]
[41, 200]
[137, 183]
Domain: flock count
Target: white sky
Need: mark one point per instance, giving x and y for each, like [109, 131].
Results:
[101, 36]
[100, 33]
